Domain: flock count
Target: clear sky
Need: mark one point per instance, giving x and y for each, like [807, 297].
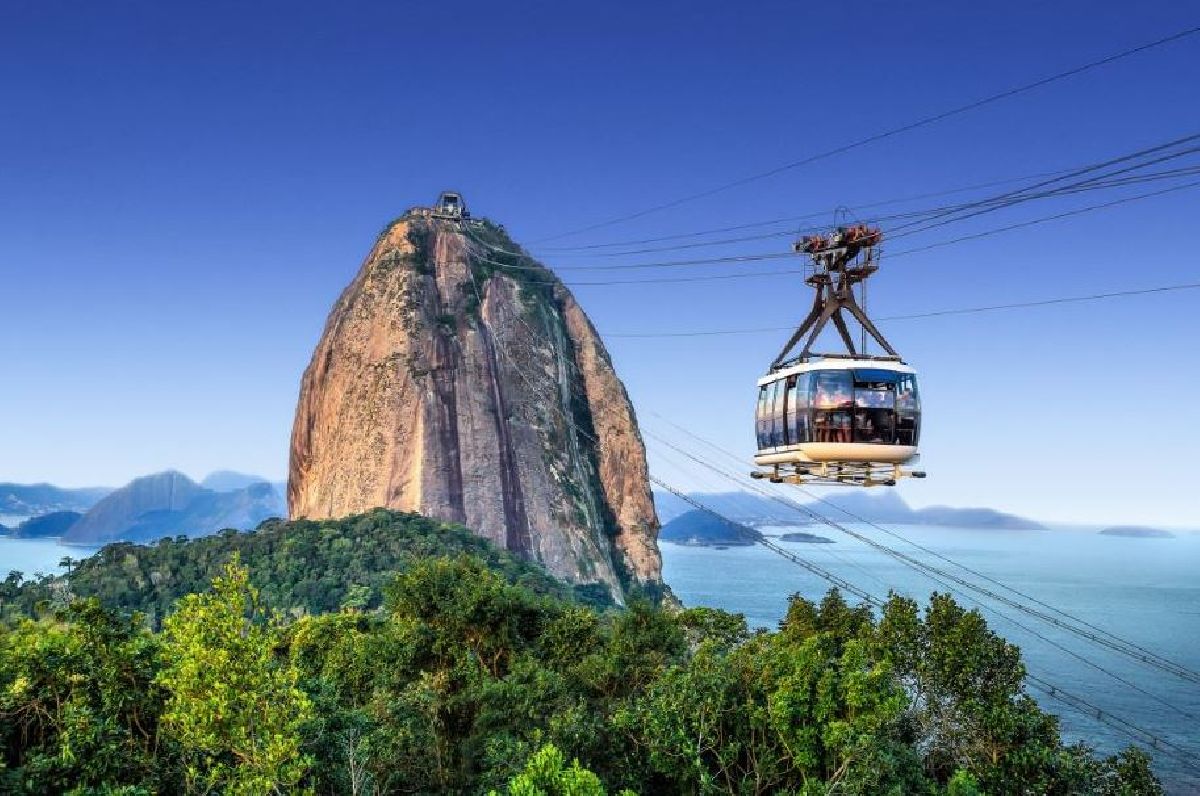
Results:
[184, 190]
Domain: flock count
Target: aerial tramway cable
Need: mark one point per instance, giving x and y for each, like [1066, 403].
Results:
[1021, 194]
[583, 250]
[781, 255]
[989, 204]
[1003, 201]
[923, 122]
[931, 314]
[1045, 219]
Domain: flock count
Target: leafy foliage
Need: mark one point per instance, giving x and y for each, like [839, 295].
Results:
[471, 675]
[546, 774]
[233, 710]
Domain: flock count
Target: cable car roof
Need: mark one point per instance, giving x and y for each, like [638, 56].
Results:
[837, 364]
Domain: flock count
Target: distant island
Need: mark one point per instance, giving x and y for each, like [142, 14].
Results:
[761, 510]
[701, 529]
[799, 536]
[53, 524]
[1137, 532]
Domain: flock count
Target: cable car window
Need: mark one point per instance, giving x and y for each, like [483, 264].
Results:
[872, 393]
[908, 410]
[799, 417]
[874, 406]
[761, 418]
[769, 417]
[832, 389]
[907, 398]
[833, 392]
[778, 395]
[877, 426]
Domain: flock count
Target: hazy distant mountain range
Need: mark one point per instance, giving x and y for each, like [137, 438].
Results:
[28, 500]
[145, 509]
[171, 504]
[876, 506]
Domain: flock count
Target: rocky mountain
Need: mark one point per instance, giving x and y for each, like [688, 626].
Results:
[461, 380]
[31, 500]
[170, 504]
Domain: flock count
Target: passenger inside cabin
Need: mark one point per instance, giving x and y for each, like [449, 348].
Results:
[865, 427]
[841, 426]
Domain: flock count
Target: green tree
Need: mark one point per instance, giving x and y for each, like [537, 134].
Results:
[78, 705]
[232, 707]
[547, 774]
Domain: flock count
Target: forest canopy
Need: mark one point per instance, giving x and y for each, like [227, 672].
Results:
[474, 673]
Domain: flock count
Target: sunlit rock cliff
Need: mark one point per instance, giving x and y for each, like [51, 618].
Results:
[464, 382]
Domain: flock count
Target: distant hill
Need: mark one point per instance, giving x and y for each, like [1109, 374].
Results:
[701, 528]
[301, 567]
[741, 506]
[55, 523]
[807, 538]
[1137, 532]
[31, 500]
[890, 507]
[171, 504]
[874, 505]
[231, 480]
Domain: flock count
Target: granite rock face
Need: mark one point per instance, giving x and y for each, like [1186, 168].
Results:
[464, 382]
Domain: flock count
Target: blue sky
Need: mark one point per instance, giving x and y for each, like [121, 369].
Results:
[185, 190]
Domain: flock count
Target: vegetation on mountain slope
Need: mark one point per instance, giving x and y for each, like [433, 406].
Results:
[299, 567]
[475, 675]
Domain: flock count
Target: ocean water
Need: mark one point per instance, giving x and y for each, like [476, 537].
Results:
[1143, 590]
[32, 556]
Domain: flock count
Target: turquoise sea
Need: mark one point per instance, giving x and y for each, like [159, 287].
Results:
[1143, 590]
[37, 555]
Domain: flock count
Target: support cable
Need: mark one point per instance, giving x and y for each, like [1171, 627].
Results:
[932, 314]
[793, 219]
[754, 258]
[923, 122]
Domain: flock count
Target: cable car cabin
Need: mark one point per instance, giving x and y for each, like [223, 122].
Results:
[841, 421]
